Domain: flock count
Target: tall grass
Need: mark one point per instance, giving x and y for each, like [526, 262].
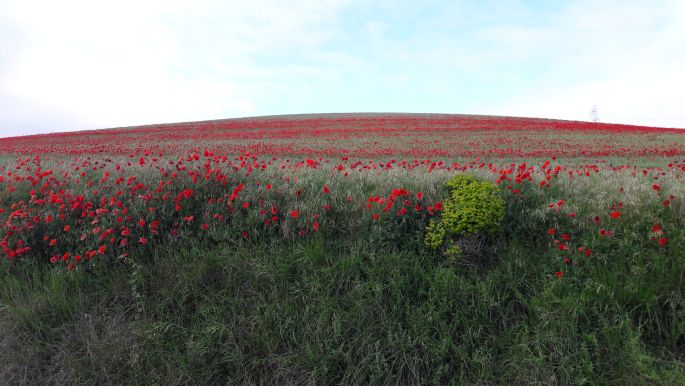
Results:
[363, 302]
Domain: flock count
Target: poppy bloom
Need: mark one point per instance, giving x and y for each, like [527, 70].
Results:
[663, 241]
[656, 187]
[315, 226]
[294, 214]
[552, 231]
[559, 274]
[67, 228]
[616, 214]
[204, 226]
[656, 228]
[326, 190]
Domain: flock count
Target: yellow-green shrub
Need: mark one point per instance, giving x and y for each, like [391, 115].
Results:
[472, 210]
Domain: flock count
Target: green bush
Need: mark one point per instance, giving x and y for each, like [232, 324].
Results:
[472, 215]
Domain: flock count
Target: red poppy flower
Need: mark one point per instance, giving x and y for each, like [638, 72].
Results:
[559, 274]
[294, 214]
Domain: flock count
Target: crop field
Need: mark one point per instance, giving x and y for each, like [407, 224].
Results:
[296, 250]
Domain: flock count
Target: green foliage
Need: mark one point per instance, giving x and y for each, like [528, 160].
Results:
[472, 210]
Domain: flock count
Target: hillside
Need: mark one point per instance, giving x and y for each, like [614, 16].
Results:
[344, 248]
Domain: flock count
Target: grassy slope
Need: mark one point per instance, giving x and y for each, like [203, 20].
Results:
[365, 308]
[370, 306]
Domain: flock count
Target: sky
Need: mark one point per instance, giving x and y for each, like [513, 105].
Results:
[85, 64]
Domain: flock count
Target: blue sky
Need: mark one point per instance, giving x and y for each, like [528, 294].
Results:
[78, 64]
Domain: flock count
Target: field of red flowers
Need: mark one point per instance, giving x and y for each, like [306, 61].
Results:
[75, 198]
[293, 249]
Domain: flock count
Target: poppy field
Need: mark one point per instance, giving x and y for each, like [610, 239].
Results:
[292, 249]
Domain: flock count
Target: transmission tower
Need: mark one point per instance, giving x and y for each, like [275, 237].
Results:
[593, 114]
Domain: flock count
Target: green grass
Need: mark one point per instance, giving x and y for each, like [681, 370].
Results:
[363, 302]
[322, 311]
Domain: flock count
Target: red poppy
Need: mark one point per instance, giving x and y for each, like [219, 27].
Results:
[663, 241]
[559, 274]
[616, 214]
[294, 214]
[656, 228]
[326, 190]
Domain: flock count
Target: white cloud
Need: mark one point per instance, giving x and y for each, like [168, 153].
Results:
[623, 57]
[132, 62]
